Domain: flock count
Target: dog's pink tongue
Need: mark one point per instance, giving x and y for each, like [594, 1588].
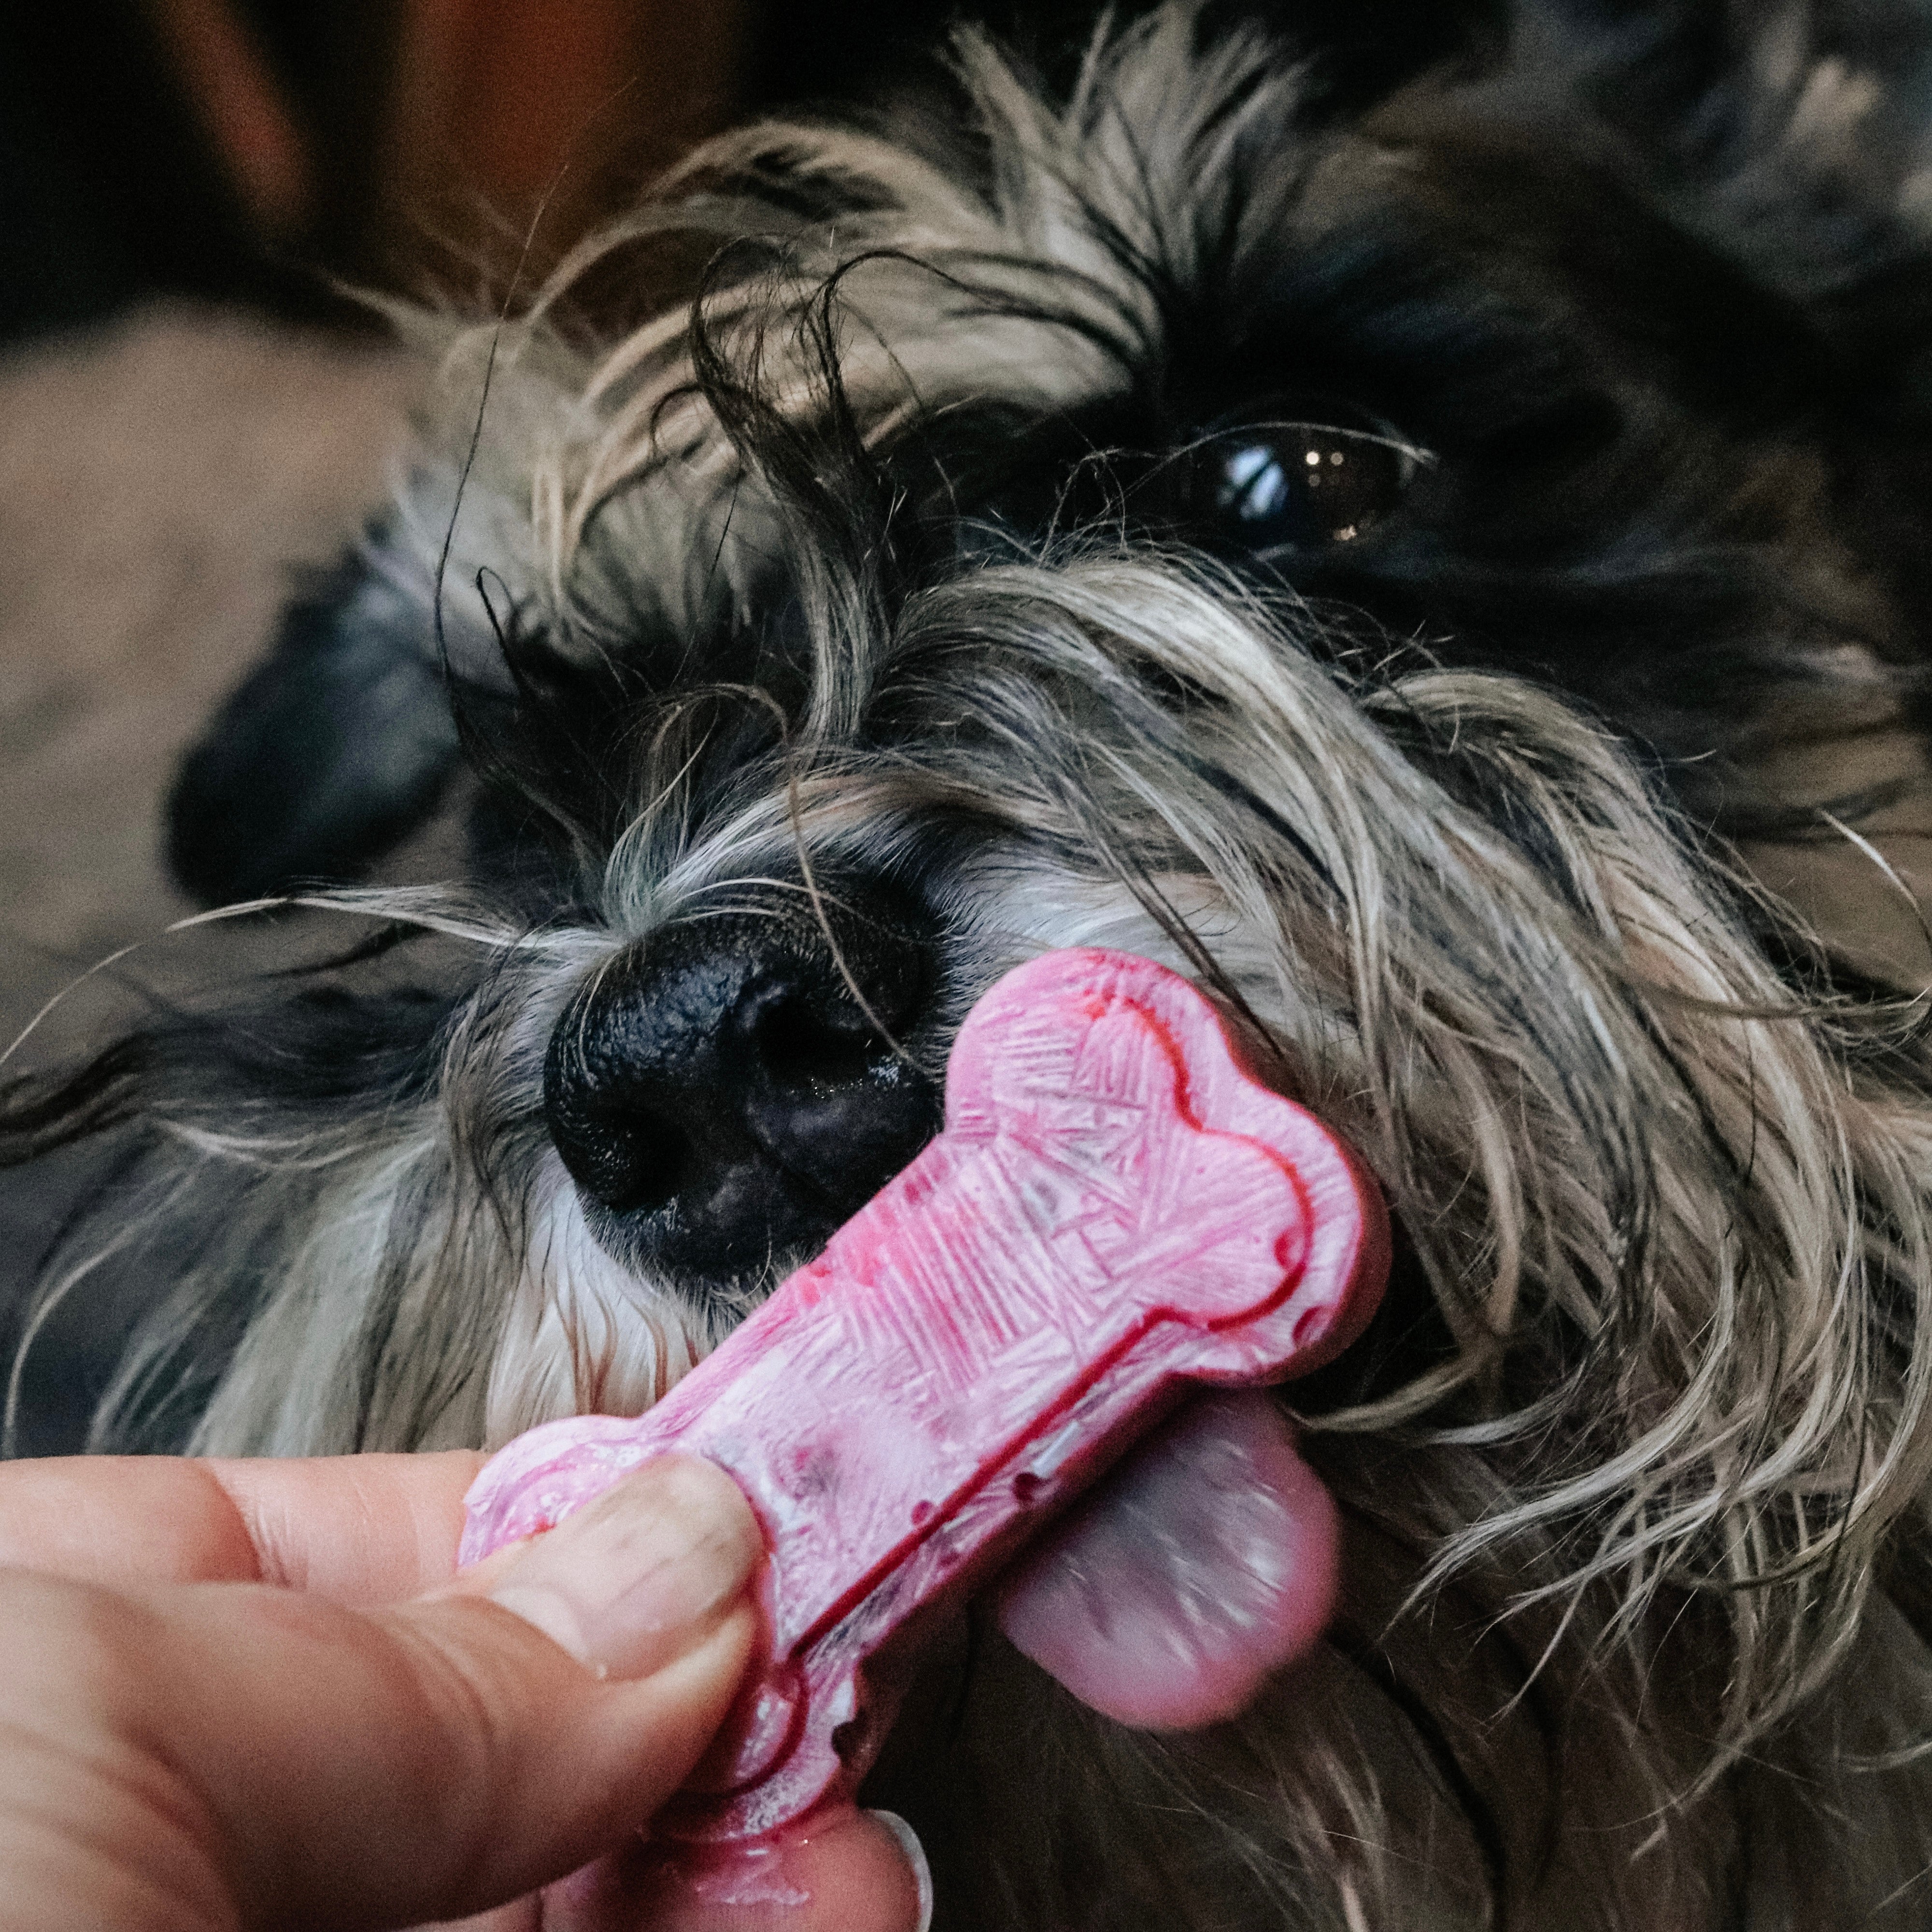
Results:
[1205, 1562]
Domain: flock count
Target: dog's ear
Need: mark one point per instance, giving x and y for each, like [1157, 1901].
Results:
[333, 748]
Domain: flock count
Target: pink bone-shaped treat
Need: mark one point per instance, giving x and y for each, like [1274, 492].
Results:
[1115, 1209]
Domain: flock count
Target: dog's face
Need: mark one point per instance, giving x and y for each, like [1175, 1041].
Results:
[1181, 516]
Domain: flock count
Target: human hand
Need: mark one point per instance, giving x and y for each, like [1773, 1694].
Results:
[229, 1703]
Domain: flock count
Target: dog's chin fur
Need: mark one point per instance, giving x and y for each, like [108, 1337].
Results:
[1633, 1464]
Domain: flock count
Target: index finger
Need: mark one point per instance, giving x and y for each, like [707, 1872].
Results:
[357, 1529]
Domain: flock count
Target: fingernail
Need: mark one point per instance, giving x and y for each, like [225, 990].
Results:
[909, 1844]
[633, 1581]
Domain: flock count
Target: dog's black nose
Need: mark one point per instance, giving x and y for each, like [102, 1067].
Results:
[732, 1088]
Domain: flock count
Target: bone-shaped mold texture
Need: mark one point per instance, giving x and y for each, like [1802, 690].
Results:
[1115, 1209]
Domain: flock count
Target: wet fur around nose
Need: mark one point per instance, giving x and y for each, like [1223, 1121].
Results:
[879, 558]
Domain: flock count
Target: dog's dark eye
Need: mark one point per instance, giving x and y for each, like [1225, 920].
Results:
[1327, 478]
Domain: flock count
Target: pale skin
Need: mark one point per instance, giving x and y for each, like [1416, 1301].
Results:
[243, 1694]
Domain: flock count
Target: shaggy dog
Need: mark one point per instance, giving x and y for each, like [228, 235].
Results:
[1355, 534]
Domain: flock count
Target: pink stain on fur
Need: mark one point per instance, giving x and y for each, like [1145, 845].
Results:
[1115, 1211]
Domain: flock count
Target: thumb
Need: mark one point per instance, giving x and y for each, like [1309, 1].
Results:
[267, 1759]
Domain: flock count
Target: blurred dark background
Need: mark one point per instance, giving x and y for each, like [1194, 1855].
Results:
[253, 150]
